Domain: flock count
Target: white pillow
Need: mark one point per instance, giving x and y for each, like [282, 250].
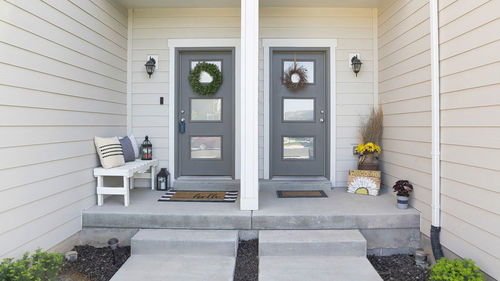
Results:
[110, 152]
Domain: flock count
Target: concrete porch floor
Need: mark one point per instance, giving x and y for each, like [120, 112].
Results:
[387, 229]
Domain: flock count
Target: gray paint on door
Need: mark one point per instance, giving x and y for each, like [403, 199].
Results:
[299, 118]
[206, 148]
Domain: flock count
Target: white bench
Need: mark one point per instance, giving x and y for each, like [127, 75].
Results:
[138, 169]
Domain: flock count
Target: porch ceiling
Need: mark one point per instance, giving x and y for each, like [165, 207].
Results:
[236, 3]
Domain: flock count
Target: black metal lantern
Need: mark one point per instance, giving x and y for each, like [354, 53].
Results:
[146, 149]
[162, 179]
[356, 64]
[150, 66]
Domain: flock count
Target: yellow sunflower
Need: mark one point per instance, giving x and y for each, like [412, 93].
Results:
[370, 147]
[378, 149]
[361, 148]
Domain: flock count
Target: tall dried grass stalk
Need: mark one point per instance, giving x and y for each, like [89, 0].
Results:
[371, 129]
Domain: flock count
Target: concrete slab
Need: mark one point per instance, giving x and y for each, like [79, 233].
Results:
[386, 228]
[276, 268]
[146, 212]
[311, 243]
[176, 268]
[341, 210]
[185, 242]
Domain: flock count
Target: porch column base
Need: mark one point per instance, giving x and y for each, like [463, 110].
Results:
[249, 204]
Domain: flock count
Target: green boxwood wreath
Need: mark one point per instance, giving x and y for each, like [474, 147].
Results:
[205, 89]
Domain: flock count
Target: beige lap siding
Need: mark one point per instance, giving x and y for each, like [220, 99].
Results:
[470, 129]
[470, 106]
[63, 81]
[351, 27]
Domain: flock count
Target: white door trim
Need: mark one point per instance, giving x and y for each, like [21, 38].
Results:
[331, 44]
[173, 44]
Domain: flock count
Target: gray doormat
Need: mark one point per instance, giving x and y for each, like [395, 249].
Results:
[199, 196]
[301, 194]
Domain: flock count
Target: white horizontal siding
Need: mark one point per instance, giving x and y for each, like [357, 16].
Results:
[351, 27]
[470, 63]
[404, 89]
[470, 106]
[63, 69]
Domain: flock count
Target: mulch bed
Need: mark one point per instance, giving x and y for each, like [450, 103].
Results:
[93, 263]
[247, 261]
[399, 267]
[96, 264]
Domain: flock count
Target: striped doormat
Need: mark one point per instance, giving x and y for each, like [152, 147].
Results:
[199, 196]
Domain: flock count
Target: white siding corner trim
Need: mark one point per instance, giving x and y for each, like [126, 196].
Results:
[200, 43]
[331, 44]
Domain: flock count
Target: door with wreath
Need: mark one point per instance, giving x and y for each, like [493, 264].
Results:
[205, 113]
[299, 112]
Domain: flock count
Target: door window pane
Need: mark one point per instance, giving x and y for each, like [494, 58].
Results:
[206, 109]
[307, 65]
[206, 147]
[298, 148]
[298, 109]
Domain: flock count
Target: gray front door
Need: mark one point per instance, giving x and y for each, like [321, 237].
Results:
[299, 117]
[206, 146]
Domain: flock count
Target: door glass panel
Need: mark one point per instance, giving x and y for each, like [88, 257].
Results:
[308, 66]
[298, 109]
[206, 147]
[206, 109]
[298, 148]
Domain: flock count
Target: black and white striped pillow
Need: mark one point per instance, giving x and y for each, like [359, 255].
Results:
[110, 152]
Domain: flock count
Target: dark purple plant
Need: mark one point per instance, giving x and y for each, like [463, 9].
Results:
[403, 188]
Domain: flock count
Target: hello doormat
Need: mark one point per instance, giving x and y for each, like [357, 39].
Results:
[301, 194]
[199, 196]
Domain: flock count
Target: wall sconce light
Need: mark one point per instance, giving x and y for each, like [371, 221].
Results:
[150, 66]
[356, 64]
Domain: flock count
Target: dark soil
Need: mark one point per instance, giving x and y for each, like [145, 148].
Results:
[399, 267]
[247, 261]
[95, 263]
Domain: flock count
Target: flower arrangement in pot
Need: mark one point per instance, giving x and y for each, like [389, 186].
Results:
[403, 188]
[370, 133]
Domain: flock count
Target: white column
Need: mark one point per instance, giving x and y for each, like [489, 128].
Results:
[249, 198]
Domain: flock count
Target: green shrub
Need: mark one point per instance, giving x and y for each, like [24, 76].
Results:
[455, 270]
[41, 266]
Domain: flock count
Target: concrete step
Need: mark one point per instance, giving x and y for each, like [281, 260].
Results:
[311, 243]
[295, 184]
[294, 268]
[184, 242]
[176, 268]
[207, 184]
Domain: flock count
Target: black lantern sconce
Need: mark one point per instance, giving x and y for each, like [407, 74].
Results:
[356, 64]
[150, 66]
[146, 149]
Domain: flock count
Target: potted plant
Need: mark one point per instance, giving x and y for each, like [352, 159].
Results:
[369, 136]
[403, 188]
[451, 270]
